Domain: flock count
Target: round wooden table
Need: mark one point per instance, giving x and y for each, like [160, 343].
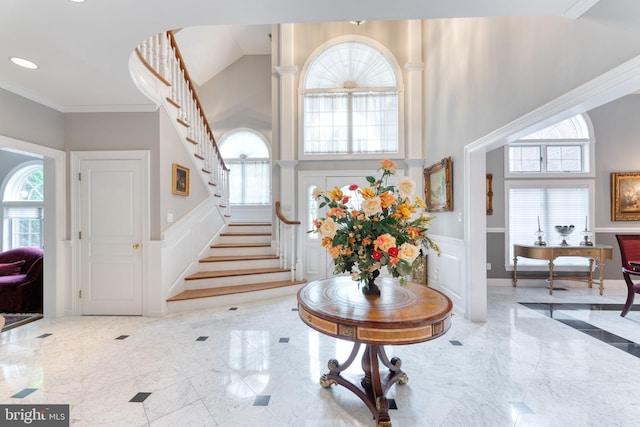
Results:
[400, 315]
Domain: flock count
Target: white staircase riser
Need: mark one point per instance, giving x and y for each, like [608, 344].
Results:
[250, 228]
[239, 265]
[218, 282]
[238, 238]
[262, 250]
[231, 300]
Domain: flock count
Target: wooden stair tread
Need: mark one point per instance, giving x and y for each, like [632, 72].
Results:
[230, 273]
[238, 258]
[241, 245]
[258, 224]
[229, 290]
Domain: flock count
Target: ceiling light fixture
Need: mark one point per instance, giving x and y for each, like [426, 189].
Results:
[357, 23]
[25, 63]
[77, 1]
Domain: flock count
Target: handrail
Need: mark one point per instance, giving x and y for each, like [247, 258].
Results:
[283, 218]
[288, 244]
[183, 67]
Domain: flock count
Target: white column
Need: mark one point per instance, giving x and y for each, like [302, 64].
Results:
[413, 92]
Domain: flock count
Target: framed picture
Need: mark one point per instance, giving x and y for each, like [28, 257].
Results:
[438, 186]
[489, 194]
[625, 196]
[180, 180]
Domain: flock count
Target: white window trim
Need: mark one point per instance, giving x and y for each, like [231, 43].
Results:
[588, 152]
[401, 103]
[549, 234]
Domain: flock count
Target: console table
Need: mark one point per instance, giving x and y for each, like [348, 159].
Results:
[400, 315]
[599, 253]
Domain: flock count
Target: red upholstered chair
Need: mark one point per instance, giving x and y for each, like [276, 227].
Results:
[630, 251]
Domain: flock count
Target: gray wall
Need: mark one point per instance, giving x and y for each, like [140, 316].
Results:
[616, 132]
[119, 131]
[481, 74]
[29, 121]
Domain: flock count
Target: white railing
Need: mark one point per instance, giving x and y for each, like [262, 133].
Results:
[161, 56]
[287, 244]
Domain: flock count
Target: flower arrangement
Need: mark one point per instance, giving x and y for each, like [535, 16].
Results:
[385, 231]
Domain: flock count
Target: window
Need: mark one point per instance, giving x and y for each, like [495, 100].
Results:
[246, 154]
[350, 102]
[558, 149]
[23, 207]
[549, 181]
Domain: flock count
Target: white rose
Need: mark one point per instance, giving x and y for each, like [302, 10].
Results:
[372, 206]
[407, 187]
[328, 228]
[408, 252]
[317, 192]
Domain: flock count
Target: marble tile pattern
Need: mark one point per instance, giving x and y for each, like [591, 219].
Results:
[259, 365]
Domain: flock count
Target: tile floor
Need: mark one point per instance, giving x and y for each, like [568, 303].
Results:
[259, 365]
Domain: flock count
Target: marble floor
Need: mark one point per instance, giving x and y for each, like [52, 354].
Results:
[259, 365]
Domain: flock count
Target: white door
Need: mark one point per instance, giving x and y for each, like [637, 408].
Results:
[317, 263]
[110, 229]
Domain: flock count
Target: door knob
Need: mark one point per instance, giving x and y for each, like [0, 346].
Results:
[136, 246]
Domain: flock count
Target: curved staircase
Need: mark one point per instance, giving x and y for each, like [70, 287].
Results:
[239, 267]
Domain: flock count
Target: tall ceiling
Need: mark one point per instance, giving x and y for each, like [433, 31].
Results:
[83, 49]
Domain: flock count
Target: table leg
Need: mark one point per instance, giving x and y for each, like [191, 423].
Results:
[601, 276]
[515, 271]
[550, 277]
[590, 272]
[372, 389]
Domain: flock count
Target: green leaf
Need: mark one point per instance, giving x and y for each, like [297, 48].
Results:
[371, 179]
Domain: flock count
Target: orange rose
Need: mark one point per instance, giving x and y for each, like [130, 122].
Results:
[387, 199]
[388, 165]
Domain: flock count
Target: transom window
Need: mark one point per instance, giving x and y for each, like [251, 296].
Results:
[246, 154]
[560, 148]
[350, 102]
[22, 204]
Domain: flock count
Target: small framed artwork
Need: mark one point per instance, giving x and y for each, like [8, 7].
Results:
[489, 194]
[180, 180]
[625, 196]
[438, 186]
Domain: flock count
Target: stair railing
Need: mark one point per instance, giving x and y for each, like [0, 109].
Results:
[287, 244]
[161, 56]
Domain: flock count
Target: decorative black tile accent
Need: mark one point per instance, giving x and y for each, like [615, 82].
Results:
[521, 407]
[201, 338]
[24, 393]
[262, 400]
[284, 340]
[294, 309]
[455, 342]
[140, 397]
[122, 337]
[555, 311]
[44, 335]
[233, 308]
[392, 404]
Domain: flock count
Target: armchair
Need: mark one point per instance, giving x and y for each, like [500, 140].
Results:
[630, 252]
[21, 280]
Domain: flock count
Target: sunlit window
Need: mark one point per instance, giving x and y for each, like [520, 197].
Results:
[22, 203]
[246, 153]
[350, 102]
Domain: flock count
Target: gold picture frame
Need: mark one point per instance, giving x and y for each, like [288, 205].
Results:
[489, 194]
[438, 186]
[625, 196]
[180, 180]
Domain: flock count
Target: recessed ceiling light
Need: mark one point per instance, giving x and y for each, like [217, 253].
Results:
[25, 63]
[77, 1]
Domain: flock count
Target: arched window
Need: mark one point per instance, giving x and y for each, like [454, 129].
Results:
[542, 189]
[22, 204]
[350, 102]
[246, 154]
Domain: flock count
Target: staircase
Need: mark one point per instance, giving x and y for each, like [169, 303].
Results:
[239, 267]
